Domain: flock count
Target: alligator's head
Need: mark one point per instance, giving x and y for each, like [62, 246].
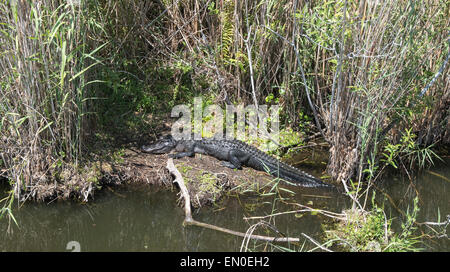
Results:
[164, 145]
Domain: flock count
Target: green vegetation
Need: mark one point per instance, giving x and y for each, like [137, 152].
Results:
[205, 187]
[362, 230]
[371, 79]
[45, 58]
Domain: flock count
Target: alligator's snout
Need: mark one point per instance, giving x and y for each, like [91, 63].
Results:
[162, 146]
[156, 149]
[147, 149]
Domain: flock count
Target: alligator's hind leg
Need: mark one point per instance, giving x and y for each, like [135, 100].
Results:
[236, 158]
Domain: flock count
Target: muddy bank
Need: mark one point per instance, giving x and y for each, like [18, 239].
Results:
[206, 179]
[115, 162]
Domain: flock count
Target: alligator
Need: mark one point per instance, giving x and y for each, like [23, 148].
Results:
[234, 154]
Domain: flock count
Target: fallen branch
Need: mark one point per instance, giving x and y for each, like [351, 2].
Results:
[188, 220]
[184, 191]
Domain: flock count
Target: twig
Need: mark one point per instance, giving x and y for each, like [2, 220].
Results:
[445, 223]
[338, 216]
[250, 231]
[274, 214]
[190, 221]
[249, 56]
[316, 243]
[352, 196]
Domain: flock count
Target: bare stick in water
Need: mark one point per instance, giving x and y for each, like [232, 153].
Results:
[190, 221]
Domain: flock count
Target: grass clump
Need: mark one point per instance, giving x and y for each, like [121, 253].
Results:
[371, 231]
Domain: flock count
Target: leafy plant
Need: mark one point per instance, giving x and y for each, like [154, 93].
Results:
[372, 231]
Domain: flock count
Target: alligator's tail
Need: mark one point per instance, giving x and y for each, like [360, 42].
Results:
[297, 177]
[305, 181]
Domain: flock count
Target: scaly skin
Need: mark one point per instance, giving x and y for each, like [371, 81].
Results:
[235, 154]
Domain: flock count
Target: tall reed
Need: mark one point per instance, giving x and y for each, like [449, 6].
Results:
[44, 60]
[354, 65]
[379, 59]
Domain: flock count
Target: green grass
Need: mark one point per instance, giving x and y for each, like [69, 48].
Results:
[371, 230]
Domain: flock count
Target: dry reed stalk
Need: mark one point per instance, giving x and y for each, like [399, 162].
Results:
[42, 92]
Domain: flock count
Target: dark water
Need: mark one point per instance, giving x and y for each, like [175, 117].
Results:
[147, 219]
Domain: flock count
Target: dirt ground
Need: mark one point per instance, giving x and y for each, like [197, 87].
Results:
[206, 179]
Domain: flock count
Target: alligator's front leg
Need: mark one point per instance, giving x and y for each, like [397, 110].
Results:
[182, 154]
[228, 164]
[185, 149]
